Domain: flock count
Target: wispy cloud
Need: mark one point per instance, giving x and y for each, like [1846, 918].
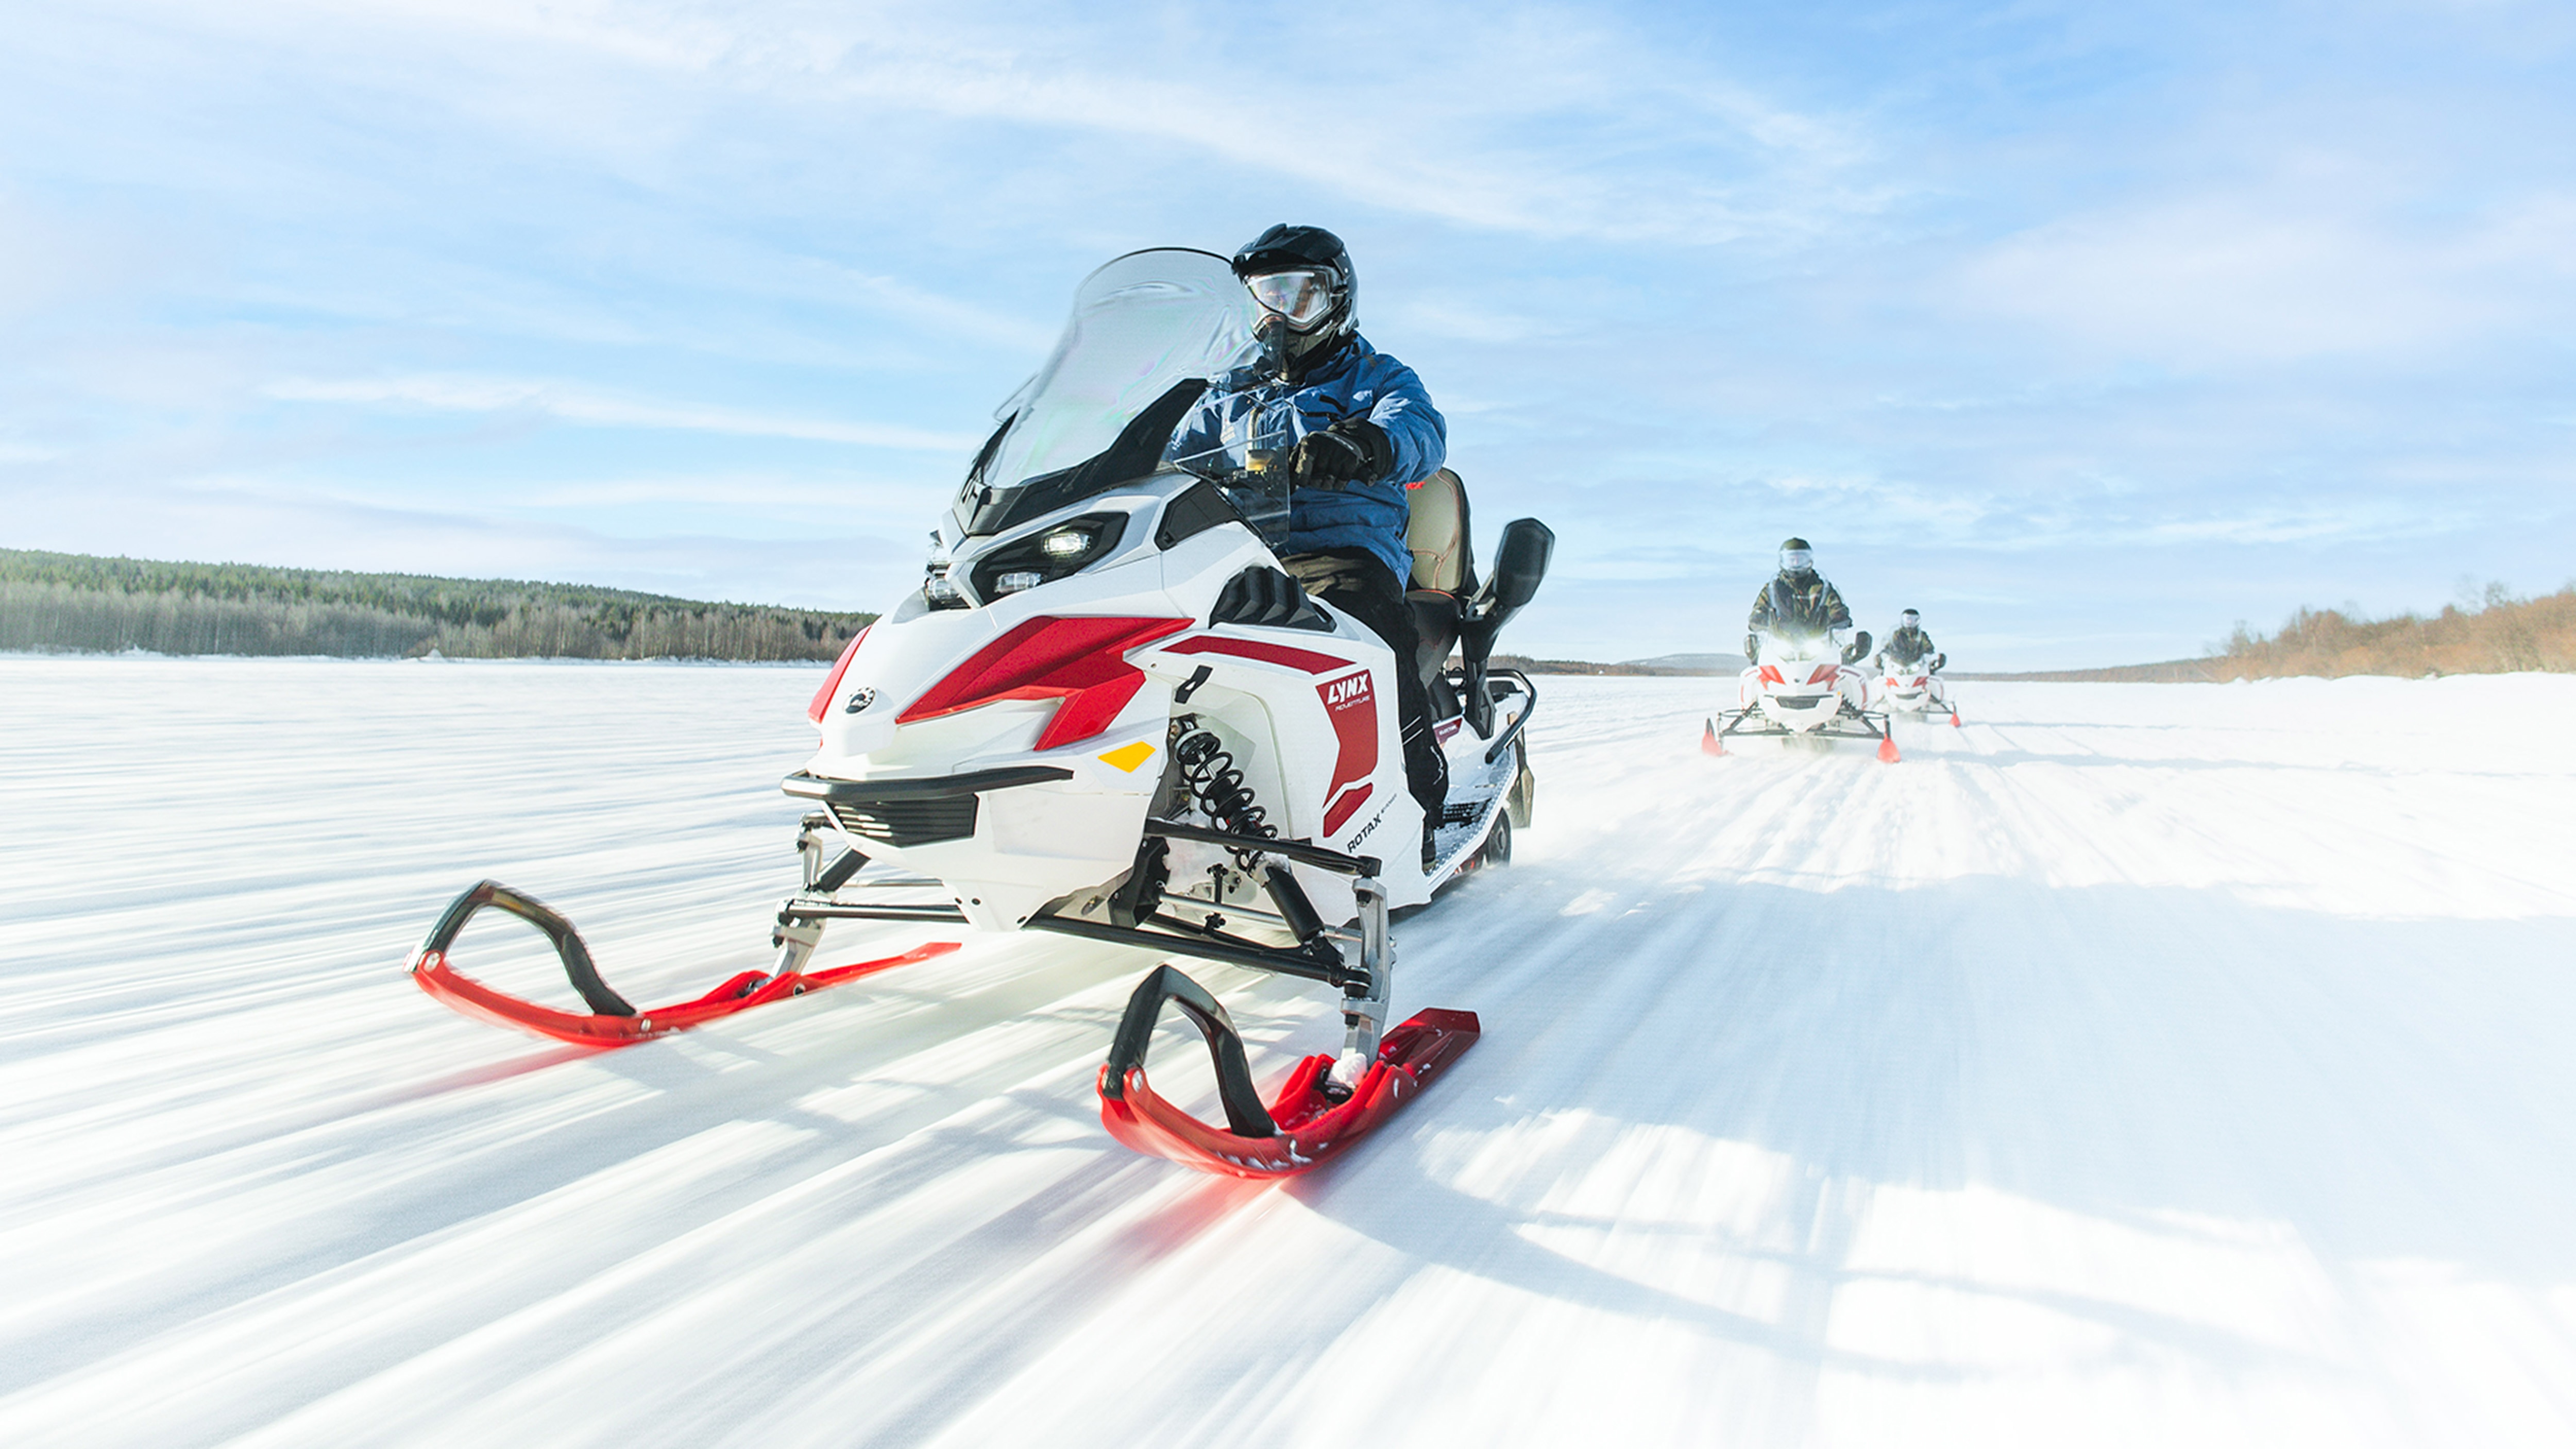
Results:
[577, 404]
[1544, 120]
[2233, 278]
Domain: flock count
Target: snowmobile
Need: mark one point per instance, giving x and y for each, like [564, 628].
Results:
[1106, 713]
[1802, 685]
[1911, 687]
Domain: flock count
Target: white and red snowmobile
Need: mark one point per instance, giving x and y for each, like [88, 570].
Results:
[1913, 688]
[1106, 713]
[1802, 685]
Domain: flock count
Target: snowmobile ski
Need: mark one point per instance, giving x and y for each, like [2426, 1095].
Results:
[1311, 1120]
[611, 1021]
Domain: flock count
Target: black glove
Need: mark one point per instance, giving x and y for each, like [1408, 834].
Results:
[1354, 450]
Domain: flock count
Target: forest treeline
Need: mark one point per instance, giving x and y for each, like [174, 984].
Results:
[62, 601]
[2497, 634]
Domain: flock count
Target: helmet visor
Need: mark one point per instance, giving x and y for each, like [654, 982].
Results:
[1911, 618]
[1300, 297]
[1797, 561]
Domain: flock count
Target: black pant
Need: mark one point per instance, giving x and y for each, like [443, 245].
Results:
[1358, 583]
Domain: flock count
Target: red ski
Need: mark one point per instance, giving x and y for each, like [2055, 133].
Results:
[610, 1022]
[1304, 1126]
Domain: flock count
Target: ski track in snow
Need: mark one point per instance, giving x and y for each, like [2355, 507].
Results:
[2139, 1064]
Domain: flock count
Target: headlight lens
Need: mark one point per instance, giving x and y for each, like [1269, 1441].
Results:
[1048, 555]
[937, 589]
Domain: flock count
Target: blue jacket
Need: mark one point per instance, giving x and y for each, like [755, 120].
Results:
[1361, 382]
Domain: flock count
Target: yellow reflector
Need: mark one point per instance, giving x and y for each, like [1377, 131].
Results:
[1128, 757]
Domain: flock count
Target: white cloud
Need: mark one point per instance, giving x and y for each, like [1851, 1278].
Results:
[1540, 120]
[2239, 278]
[573, 403]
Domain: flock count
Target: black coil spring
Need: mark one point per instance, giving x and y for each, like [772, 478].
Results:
[1208, 769]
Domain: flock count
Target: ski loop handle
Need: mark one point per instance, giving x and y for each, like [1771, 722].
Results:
[567, 941]
[1244, 1114]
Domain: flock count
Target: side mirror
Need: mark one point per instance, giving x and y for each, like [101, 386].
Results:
[1518, 567]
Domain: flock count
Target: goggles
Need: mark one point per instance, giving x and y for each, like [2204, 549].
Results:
[1300, 298]
[1797, 560]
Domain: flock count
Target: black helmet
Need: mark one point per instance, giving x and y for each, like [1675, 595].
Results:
[1309, 296]
[1796, 559]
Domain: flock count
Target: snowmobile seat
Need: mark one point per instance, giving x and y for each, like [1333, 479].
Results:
[1435, 531]
[1444, 565]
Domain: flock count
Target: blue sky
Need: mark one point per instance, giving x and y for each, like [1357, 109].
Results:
[2087, 330]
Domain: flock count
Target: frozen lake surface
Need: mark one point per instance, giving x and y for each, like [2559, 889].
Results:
[2139, 1064]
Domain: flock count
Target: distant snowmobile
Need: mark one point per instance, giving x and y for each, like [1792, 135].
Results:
[1914, 689]
[1106, 713]
[1798, 681]
[1802, 685]
[1910, 672]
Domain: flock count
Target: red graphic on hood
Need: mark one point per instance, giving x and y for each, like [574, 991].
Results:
[1350, 702]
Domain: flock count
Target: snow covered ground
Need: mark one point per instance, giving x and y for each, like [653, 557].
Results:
[2145, 1064]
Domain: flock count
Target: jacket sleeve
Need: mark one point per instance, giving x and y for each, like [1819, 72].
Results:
[1760, 618]
[1404, 411]
[1839, 615]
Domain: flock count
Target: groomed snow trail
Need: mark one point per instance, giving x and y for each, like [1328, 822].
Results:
[2136, 1065]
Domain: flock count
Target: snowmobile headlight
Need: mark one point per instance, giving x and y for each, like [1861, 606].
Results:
[1044, 557]
[937, 589]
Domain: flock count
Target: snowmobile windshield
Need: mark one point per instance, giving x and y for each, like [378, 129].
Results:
[1251, 465]
[1799, 641]
[1147, 332]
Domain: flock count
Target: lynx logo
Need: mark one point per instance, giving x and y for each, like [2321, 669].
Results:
[1352, 707]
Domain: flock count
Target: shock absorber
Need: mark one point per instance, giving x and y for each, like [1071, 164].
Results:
[1207, 768]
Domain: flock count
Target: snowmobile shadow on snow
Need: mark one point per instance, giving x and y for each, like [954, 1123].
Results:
[1971, 1036]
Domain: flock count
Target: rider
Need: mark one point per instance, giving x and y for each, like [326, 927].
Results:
[1364, 429]
[1908, 643]
[1798, 600]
